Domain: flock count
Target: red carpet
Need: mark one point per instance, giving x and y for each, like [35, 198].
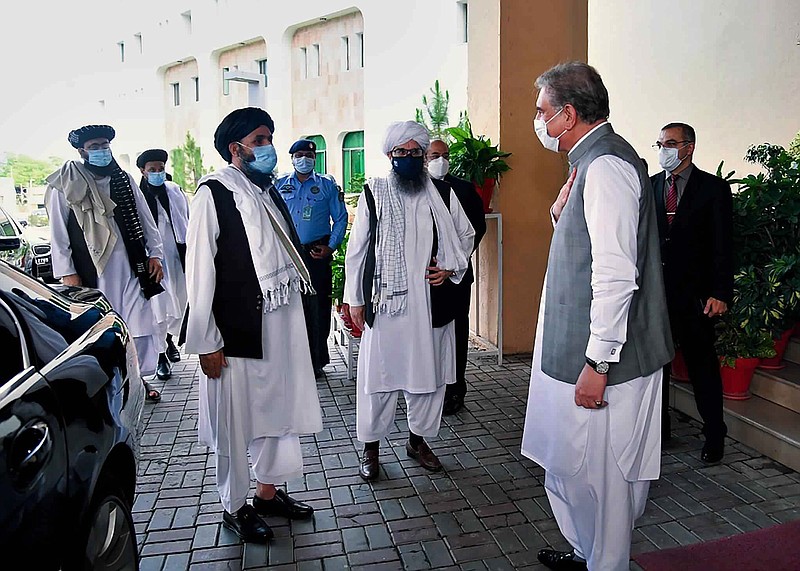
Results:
[775, 548]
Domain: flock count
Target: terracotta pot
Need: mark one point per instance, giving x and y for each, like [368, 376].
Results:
[736, 380]
[485, 191]
[776, 363]
[678, 370]
[348, 321]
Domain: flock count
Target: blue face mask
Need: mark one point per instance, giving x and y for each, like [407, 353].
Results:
[156, 178]
[408, 167]
[304, 165]
[264, 158]
[99, 157]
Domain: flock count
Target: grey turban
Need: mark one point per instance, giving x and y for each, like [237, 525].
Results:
[237, 125]
[401, 132]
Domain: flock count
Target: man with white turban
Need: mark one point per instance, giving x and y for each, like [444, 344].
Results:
[408, 237]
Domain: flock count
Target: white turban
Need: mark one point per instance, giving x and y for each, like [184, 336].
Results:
[401, 132]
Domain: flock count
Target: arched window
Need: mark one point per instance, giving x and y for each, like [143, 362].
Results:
[322, 166]
[352, 157]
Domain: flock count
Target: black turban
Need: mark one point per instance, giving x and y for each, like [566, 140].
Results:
[237, 125]
[151, 155]
[303, 145]
[79, 136]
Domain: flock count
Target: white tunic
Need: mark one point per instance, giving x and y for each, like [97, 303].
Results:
[273, 396]
[400, 352]
[117, 282]
[170, 305]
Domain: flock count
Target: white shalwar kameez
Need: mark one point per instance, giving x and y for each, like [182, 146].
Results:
[170, 305]
[403, 353]
[599, 462]
[258, 404]
[117, 280]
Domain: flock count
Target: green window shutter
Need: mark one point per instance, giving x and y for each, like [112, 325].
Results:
[321, 166]
[353, 156]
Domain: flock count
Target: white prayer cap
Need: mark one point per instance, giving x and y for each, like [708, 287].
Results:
[401, 132]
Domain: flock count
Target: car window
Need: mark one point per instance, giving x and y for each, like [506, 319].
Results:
[11, 364]
[7, 227]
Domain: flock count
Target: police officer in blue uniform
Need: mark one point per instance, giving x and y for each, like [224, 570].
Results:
[316, 204]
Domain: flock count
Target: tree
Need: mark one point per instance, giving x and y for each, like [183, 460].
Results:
[28, 171]
[187, 164]
[436, 110]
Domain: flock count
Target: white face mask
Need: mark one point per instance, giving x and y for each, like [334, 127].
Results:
[437, 168]
[548, 142]
[668, 159]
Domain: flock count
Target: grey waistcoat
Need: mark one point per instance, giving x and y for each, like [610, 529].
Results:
[568, 290]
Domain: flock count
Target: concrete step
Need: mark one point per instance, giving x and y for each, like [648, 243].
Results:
[793, 350]
[781, 386]
[758, 423]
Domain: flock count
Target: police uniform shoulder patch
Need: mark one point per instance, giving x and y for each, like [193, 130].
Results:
[288, 187]
[341, 195]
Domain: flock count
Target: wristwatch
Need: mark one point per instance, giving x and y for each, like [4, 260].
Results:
[599, 366]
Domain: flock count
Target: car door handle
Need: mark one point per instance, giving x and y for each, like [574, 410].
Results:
[30, 450]
[40, 448]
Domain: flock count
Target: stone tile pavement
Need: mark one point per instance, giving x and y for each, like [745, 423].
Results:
[487, 510]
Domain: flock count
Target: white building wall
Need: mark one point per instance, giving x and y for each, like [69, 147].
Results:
[406, 48]
[730, 69]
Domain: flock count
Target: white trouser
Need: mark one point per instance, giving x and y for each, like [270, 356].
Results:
[375, 413]
[147, 354]
[596, 508]
[275, 460]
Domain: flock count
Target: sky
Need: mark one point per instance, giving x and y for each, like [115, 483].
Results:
[45, 83]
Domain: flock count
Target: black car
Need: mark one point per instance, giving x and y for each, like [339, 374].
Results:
[70, 410]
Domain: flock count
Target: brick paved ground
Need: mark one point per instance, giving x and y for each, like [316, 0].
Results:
[487, 510]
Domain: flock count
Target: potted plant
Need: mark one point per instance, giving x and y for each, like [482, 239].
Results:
[767, 240]
[477, 160]
[743, 337]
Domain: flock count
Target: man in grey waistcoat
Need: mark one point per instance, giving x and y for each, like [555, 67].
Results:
[594, 407]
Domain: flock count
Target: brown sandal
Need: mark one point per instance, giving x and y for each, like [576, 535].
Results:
[152, 395]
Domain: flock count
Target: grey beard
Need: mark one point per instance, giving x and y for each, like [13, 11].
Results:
[409, 186]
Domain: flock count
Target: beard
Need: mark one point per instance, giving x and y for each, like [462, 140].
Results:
[261, 179]
[409, 185]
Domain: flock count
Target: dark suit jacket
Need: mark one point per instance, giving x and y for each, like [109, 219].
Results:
[696, 251]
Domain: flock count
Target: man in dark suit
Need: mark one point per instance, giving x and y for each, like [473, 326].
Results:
[438, 159]
[695, 211]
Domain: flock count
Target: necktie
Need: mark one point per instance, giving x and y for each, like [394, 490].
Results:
[672, 200]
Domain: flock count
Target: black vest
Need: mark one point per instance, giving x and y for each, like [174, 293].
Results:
[238, 302]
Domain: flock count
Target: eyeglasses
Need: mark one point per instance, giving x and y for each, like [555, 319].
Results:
[668, 144]
[98, 147]
[400, 153]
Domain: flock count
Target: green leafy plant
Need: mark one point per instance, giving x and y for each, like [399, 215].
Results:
[434, 115]
[337, 268]
[355, 188]
[475, 158]
[186, 164]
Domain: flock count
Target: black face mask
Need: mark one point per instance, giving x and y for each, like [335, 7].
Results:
[408, 167]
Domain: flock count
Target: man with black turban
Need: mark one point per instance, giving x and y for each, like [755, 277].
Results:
[170, 209]
[245, 277]
[103, 236]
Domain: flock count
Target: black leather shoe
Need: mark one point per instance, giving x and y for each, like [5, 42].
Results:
[369, 465]
[712, 452]
[424, 455]
[172, 351]
[560, 560]
[164, 370]
[452, 404]
[247, 525]
[282, 506]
